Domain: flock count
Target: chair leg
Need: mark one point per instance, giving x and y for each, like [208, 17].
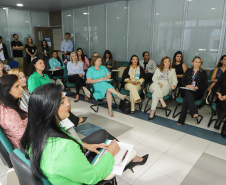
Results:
[145, 108]
[167, 112]
[97, 104]
[174, 113]
[115, 106]
[199, 120]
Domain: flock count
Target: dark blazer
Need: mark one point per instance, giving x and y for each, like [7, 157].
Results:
[5, 51]
[126, 75]
[201, 82]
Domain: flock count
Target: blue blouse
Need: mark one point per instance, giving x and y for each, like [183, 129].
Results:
[55, 63]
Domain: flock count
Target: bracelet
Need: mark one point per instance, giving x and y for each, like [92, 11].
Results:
[84, 145]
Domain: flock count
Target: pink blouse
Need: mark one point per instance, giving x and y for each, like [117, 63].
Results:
[86, 63]
[12, 125]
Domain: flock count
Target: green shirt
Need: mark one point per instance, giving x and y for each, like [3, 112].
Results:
[36, 80]
[64, 163]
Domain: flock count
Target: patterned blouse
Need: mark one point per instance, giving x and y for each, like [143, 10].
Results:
[164, 75]
[12, 125]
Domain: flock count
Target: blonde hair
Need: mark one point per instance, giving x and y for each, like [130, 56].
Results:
[15, 71]
[197, 57]
[94, 60]
[71, 57]
[161, 67]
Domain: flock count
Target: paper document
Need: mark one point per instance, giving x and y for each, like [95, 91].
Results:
[66, 123]
[120, 158]
[106, 80]
[54, 69]
[188, 88]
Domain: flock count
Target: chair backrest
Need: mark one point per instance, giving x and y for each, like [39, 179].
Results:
[22, 167]
[13, 64]
[65, 73]
[123, 64]
[210, 74]
[6, 148]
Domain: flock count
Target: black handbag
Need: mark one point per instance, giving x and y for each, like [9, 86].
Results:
[125, 106]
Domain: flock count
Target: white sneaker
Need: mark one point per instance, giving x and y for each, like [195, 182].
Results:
[86, 91]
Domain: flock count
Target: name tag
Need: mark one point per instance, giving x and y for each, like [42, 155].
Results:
[137, 77]
[44, 51]
[16, 46]
[33, 51]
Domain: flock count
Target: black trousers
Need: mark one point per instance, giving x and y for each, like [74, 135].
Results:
[74, 119]
[188, 104]
[148, 77]
[58, 73]
[79, 82]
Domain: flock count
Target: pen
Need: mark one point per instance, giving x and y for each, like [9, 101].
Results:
[124, 156]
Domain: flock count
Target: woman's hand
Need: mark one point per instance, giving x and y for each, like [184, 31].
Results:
[160, 84]
[57, 67]
[113, 148]
[81, 75]
[94, 147]
[101, 78]
[172, 87]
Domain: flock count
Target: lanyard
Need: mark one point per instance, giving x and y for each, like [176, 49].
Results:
[193, 77]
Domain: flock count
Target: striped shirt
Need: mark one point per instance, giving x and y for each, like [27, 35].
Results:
[151, 66]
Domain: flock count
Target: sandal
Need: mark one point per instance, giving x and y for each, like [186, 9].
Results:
[132, 112]
[138, 101]
[123, 97]
[111, 113]
[195, 117]
[179, 124]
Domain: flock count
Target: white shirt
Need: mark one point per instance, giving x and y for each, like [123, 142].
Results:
[2, 57]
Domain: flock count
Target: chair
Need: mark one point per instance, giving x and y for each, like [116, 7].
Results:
[55, 78]
[198, 103]
[68, 84]
[23, 169]
[213, 109]
[6, 148]
[167, 110]
[99, 101]
[119, 79]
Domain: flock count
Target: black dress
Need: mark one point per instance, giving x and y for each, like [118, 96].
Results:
[31, 50]
[179, 71]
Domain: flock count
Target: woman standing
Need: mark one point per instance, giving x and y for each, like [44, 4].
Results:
[31, 50]
[132, 78]
[45, 52]
[76, 74]
[96, 75]
[82, 58]
[164, 81]
[13, 119]
[195, 79]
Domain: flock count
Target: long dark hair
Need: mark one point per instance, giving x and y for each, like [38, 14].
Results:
[130, 63]
[32, 66]
[46, 44]
[174, 58]
[58, 58]
[42, 112]
[219, 63]
[82, 56]
[107, 52]
[6, 99]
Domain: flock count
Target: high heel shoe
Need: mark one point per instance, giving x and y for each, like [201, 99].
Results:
[149, 118]
[132, 164]
[111, 113]
[166, 107]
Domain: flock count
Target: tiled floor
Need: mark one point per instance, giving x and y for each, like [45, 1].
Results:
[177, 155]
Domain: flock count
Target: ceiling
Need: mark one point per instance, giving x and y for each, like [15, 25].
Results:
[50, 5]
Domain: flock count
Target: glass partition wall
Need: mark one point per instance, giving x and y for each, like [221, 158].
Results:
[195, 27]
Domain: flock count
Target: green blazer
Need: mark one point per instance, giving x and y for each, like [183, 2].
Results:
[63, 162]
[36, 80]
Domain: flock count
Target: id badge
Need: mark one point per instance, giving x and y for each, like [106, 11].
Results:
[137, 77]
[16, 46]
[44, 51]
[33, 51]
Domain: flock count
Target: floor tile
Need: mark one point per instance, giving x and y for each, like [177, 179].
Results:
[172, 167]
[216, 150]
[3, 180]
[154, 177]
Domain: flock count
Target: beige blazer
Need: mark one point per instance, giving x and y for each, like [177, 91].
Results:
[172, 76]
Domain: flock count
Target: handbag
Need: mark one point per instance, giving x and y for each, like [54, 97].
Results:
[125, 106]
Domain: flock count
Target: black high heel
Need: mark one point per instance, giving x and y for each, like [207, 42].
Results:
[132, 164]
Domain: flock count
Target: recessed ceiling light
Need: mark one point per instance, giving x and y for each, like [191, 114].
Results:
[4, 8]
[85, 13]
[213, 8]
[27, 21]
[20, 4]
[69, 15]
[157, 14]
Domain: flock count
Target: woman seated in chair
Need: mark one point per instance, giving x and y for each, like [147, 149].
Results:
[59, 156]
[195, 79]
[164, 81]
[56, 63]
[220, 69]
[107, 60]
[76, 75]
[132, 80]
[26, 93]
[220, 90]
[96, 75]
[13, 119]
